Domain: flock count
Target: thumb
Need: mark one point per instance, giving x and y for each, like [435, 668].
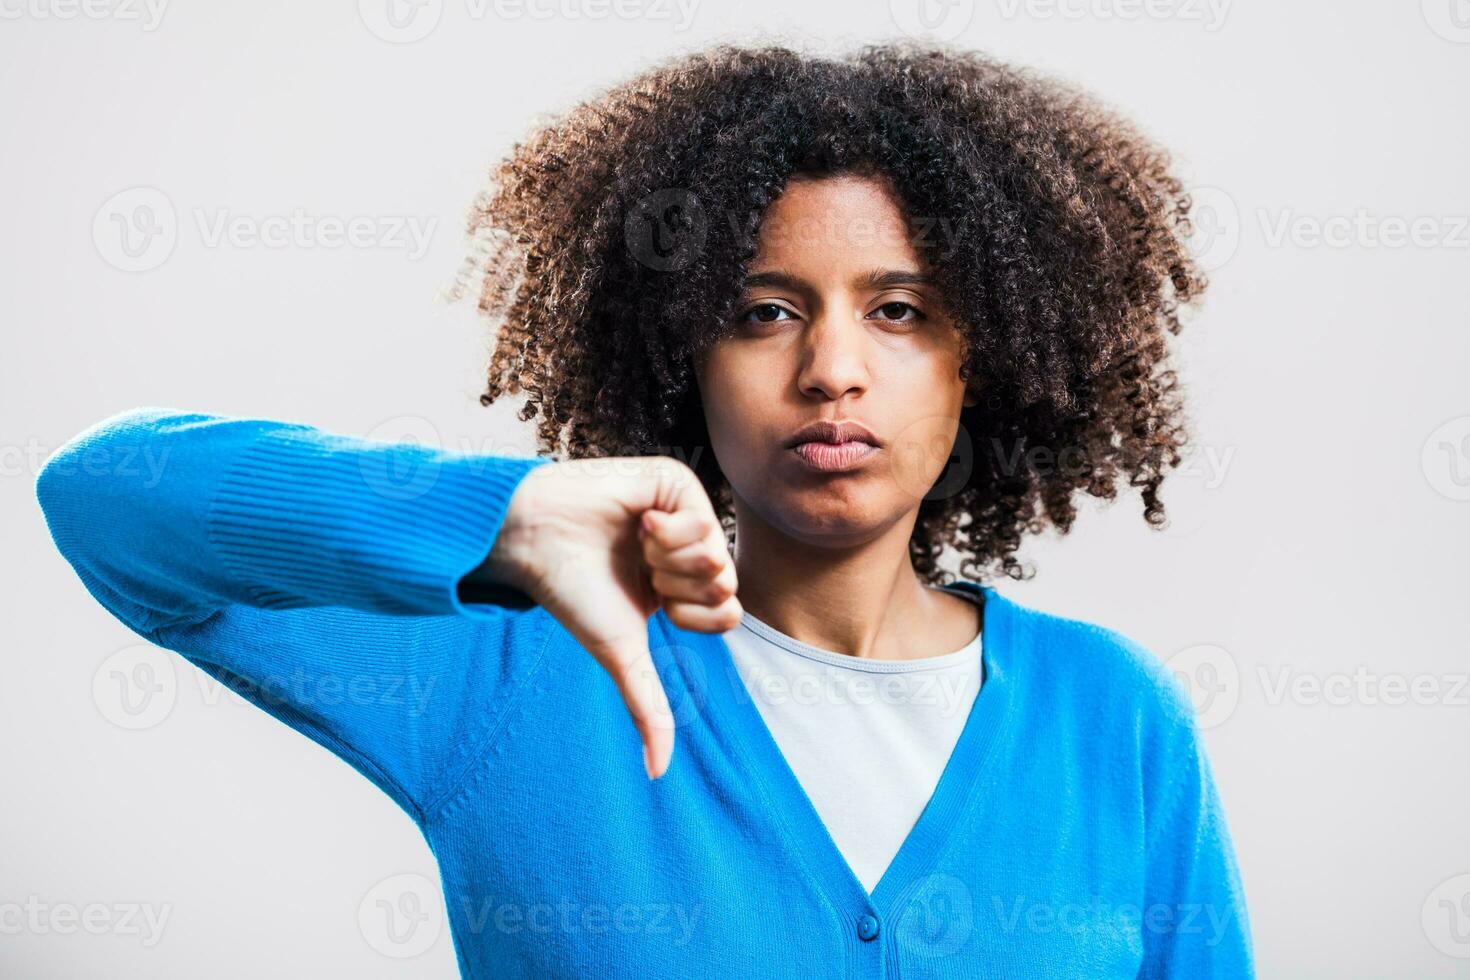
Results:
[632, 669]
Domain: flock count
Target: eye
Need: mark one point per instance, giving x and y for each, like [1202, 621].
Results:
[896, 311]
[765, 313]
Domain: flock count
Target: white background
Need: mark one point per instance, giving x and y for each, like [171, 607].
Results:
[1319, 539]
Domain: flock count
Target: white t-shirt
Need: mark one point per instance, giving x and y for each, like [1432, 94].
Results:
[867, 739]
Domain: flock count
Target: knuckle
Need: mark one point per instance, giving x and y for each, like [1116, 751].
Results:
[668, 471]
[678, 613]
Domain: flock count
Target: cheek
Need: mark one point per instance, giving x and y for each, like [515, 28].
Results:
[925, 425]
[732, 398]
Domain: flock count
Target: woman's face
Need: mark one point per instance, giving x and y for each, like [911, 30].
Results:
[837, 324]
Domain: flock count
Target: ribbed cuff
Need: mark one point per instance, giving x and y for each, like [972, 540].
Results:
[304, 517]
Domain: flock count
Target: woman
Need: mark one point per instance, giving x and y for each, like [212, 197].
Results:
[797, 324]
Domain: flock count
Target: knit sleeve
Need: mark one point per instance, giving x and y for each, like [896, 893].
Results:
[321, 576]
[1194, 920]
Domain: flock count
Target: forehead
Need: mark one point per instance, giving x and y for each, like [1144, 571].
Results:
[843, 220]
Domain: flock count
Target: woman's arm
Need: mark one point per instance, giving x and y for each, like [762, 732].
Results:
[1194, 920]
[173, 516]
[318, 574]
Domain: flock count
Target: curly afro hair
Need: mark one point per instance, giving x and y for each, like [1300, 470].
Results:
[611, 246]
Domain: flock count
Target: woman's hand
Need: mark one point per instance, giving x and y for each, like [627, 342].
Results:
[602, 544]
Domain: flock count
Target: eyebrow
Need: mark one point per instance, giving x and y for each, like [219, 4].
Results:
[872, 279]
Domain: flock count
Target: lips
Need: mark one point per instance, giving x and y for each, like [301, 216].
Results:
[836, 433]
[832, 447]
[830, 458]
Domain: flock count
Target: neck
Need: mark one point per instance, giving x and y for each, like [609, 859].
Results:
[858, 597]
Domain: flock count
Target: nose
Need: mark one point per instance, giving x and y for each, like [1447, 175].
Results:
[834, 360]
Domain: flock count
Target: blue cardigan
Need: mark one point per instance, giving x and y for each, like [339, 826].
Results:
[1076, 830]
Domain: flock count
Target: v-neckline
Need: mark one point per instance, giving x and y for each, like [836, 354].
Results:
[734, 713]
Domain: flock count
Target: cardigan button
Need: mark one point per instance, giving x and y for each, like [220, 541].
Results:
[867, 927]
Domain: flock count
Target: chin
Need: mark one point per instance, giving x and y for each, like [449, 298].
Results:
[822, 518]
